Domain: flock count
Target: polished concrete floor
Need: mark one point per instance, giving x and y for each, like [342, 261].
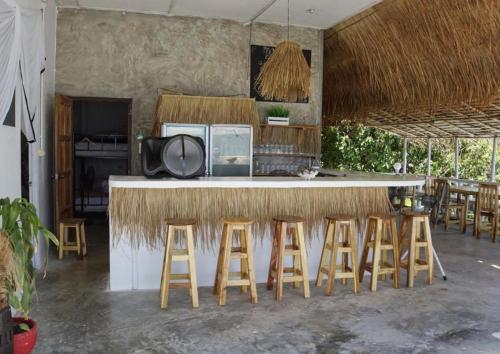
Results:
[76, 313]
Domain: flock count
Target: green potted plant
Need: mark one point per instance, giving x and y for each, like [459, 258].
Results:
[21, 225]
[278, 111]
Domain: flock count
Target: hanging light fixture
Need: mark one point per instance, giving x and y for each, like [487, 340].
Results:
[285, 75]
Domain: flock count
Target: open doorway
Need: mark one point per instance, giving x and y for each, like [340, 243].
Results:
[101, 129]
[91, 142]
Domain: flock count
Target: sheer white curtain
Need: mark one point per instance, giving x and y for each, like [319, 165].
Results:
[10, 52]
[22, 57]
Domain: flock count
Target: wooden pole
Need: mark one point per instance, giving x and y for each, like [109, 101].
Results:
[457, 153]
[429, 156]
[405, 154]
[494, 160]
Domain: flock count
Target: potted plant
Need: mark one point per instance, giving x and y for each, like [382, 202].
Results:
[278, 115]
[21, 225]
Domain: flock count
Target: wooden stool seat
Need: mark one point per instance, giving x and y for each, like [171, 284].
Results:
[414, 213]
[341, 217]
[237, 221]
[381, 237]
[180, 222]
[414, 242]
[339, 238]
[246, 276]
[288, 219]
[80, 243]
[297, 250]
[384, 216]
[178, 255]
[72, 221]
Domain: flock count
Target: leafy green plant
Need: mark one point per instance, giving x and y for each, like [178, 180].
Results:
[19, 220]
[277, 111]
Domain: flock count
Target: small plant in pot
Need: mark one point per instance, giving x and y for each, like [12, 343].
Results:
[20, 225]
[278, 111]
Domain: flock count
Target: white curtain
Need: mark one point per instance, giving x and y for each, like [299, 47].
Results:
[10, 52]
[22, 57]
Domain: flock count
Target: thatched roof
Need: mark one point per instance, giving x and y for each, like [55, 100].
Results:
[432, 65]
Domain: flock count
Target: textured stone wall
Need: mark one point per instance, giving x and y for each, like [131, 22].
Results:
[110, 54]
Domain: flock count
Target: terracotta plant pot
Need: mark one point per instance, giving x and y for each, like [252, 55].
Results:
[24, 342]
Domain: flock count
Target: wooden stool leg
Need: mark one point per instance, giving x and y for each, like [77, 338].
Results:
[366, 249]
[303, 259]
[66, 239]
[220, 259]
[417, 249]
[383, 253]
[324, 253]
[192, 266]
[61, 240]
[395, 253]
[430, 253]
[274, 253]
[295, 258]
[411, 255]
[249, 260]
[376, 256]
[165, 277]
[333, 260]
[225, 266]
[83, 240]
[243, 263]
[79, 250]
[281, 261]
[354, 256]
[345, 255]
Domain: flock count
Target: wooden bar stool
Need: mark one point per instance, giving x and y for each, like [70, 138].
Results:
[246, 276]
[80, 243]
[280, 250]
[178, 255]
[339, 238]
[381, 237]
[414, 244]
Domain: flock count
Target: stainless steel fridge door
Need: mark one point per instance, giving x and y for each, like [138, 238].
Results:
[231, 150]
[197, 130]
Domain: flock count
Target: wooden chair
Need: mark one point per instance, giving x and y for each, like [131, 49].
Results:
[172, 254]
[339, 238]
[80, 243]
[297, 250]
[413, 243]
[487, 205]
[380, 236]
[444, 208]
[246, 276]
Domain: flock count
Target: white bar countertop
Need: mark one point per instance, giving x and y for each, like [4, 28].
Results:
[356, 180]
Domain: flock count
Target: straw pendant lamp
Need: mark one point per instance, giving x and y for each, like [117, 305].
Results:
[285, 75]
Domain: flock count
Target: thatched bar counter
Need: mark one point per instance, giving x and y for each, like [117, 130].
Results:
[138, 205]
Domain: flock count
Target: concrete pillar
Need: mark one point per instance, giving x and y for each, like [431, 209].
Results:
[429, 156]
[494, 160]
[405, 154]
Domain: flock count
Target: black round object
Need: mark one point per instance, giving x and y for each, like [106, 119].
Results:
[183, 156]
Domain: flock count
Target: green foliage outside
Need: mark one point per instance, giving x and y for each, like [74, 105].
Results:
[357, 148]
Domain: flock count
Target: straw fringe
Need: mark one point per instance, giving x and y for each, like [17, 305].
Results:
[205, 110]
[285, 75]
[137, 214]
[413, 55]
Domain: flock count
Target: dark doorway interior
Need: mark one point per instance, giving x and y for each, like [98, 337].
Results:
[25, 167]
[101, 137]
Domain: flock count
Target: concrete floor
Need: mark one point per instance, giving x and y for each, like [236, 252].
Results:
[76, 313]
